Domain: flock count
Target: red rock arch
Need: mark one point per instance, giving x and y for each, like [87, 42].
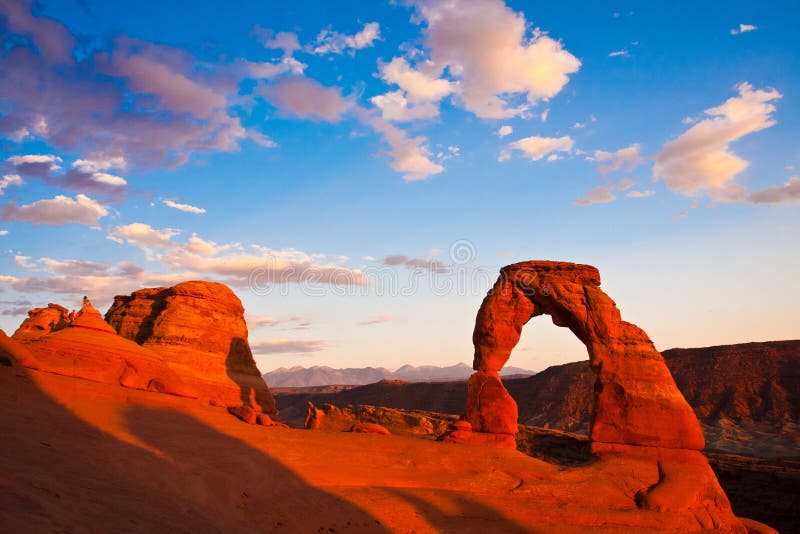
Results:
[636, 401]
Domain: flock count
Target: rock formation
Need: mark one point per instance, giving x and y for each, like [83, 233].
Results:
[400, 422]
[42, 321]
[636, 401]
[199, 328]
[90, 349]
[638, 410]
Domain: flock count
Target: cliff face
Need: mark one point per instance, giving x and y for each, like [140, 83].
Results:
[749, 382]
[744, 383]
[199, 328]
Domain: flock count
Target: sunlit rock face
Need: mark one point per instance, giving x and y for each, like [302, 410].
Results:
[636, 401]
[638, 410]
[199, 328]
[42, 321]
[89, 348]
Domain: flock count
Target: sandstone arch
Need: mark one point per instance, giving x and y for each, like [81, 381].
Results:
[636, 401]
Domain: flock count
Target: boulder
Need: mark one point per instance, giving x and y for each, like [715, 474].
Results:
[199, 328]
[42, 321]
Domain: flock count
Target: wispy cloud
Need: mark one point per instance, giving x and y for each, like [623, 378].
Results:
[625, 159]
[284, 346]
[331, 42]
[188, 208]
[426, 264]
[376, 320]
[537, 147]
[743, 28]
[778, 194]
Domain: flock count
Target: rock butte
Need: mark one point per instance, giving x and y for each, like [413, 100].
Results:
[638, 410]
[199, 328]
[90, 349]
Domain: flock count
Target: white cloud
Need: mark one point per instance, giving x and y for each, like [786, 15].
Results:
[331, 42]
[74, 267]
[3, 232]
[230, 263]
[544, 115]
[419, 85]
[395, 106]
[29, 159]
[640, 194]
[625, 159]
[9, 179]
[700, 160]
[620, 53]
[410, 156]
[599, 195]
[680, 214]
[143, 235]
[265, 70]
[188, 208]
[419, 94]
[99, 280]
[101, 162]
[24, 261]
[743, 28]
[778, 194]
[108, 179]
[536, 147]
[286, 41]
[56, 211]
[505, 130]
[86, 176]
[488, 48]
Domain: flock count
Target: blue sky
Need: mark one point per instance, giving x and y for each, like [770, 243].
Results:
[359, 172]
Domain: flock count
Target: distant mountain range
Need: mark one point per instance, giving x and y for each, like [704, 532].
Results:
[741, 394]
[320, 375]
